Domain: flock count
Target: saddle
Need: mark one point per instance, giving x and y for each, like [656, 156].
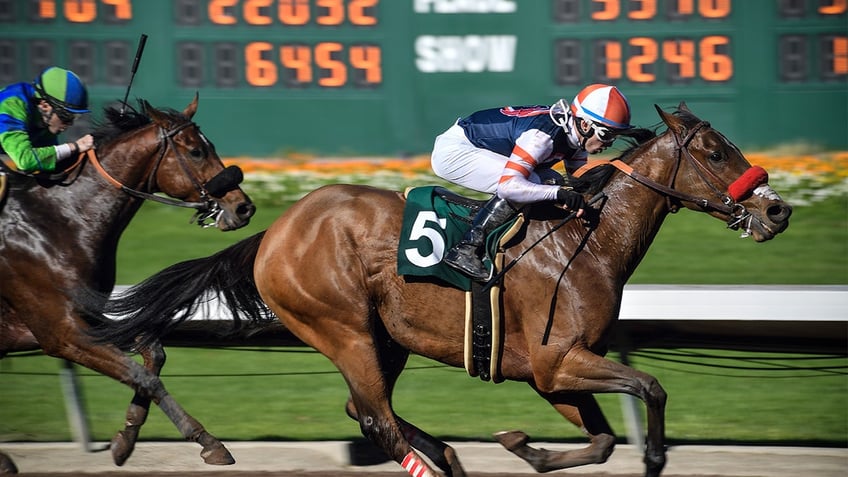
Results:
[434, 220]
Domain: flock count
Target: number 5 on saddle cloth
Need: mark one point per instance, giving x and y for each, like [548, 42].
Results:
[435, 219]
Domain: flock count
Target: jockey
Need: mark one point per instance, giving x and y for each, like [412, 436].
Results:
[33, 115]
[509, 152]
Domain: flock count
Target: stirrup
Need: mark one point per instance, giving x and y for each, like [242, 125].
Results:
[463, 258]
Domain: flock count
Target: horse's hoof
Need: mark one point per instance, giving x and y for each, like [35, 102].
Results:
[7, 466]
[217, 454]
[512, 440]
[654, 464]
[121, 448]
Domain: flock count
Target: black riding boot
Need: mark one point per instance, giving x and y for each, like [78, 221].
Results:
[467, 256]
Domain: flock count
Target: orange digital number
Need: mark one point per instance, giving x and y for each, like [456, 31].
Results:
[647, 10]
[648, 56]
[259, 71]
[123, 8]
[369, 60]
[80, 11]
[218, 12]
[294, 12]
[47, 9]
[335, 12]
[715, 66]
[682, 54]
[324, 60]
[356, 12]
[610, 9]
[685, 7]
[836, 7]
[613, 60]
[252, 12]
[714, 8]
[840, 55]
[299, 59]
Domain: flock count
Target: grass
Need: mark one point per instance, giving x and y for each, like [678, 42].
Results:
[296, 394]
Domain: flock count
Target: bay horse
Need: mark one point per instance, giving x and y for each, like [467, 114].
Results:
[61, 233]
[327, 269]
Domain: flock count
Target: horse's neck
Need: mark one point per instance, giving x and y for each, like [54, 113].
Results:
[633, 213]
[88, 201]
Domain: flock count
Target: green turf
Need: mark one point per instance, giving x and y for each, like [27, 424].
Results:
[296, 394]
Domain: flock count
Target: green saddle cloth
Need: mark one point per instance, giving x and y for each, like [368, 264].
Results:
[431, 226]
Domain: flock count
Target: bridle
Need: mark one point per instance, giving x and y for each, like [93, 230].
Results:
[207, 210]
[736, 212]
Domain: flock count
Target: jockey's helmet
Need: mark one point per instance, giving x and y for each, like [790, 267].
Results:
[603, 105]
[62, 89]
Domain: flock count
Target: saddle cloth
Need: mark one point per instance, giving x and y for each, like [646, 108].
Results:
[434, 220]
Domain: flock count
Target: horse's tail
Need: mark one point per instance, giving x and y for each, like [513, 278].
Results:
[149, 310]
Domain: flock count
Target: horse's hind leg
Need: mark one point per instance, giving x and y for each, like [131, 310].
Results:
[111, 362]
[7, 465]
[123, 443]
[371, 381]
[443, 455]
[584, 412]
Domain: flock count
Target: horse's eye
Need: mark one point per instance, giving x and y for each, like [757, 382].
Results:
[196, 153]
[716, 157]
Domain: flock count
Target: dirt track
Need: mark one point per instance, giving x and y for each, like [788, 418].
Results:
[341, 459]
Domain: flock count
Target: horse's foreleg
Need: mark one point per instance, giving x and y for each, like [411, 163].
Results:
[123, 443]
[443, 455]
[7, 465]
[584, 412]
[585, 372]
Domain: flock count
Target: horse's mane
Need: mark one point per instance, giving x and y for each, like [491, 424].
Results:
[595, 179]
[116, 123]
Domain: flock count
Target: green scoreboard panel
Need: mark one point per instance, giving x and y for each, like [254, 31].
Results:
[386, 76]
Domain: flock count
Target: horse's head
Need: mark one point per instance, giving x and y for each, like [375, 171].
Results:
[712, 175]
[189, 169]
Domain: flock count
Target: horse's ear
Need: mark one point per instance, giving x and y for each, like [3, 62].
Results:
[682, 107]
[192, 107]
[154, 114]
[673, 122]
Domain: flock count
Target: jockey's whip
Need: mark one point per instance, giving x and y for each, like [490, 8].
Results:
[597, 197]
[138, 52]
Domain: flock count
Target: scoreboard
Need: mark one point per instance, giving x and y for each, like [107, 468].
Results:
[365, 77]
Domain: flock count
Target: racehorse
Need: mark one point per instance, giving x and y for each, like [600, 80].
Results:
[61, 233]
[327, 268]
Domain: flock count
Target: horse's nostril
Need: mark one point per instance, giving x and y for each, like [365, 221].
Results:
[779, 212]
[246, 210]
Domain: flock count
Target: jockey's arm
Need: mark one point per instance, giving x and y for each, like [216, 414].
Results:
[516, 184]
[16, 142]
[26, 157]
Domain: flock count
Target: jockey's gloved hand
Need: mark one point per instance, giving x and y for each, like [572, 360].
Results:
[570, 200]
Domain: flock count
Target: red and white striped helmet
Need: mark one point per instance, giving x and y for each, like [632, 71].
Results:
[602, 104]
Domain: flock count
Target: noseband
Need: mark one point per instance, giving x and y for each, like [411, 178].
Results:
[207, 210]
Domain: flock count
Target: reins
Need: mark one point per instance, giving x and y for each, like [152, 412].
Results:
[167, 140]
[736, 212]
[681, 147]
[495, 279]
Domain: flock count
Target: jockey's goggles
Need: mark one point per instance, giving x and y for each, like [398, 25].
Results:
[64, 115]
[605, 134]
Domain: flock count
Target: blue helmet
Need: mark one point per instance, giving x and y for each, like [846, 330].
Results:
[62, 88]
